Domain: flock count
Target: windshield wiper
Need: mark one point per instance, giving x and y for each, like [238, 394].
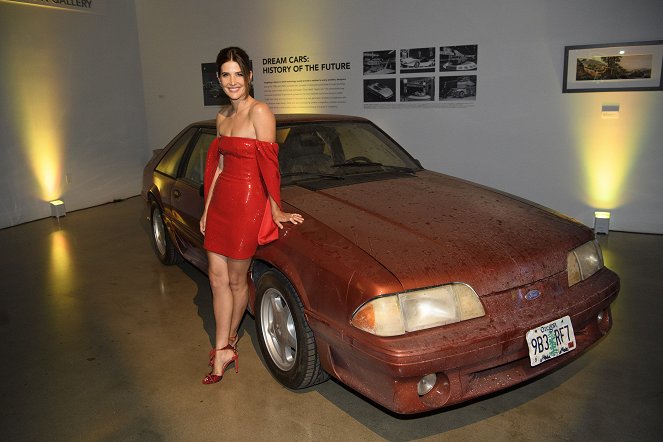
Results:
[373, 163]
[312, 175]
[357, 164]
[400, 169]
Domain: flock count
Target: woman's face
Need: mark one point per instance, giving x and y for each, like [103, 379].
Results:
[233, 82]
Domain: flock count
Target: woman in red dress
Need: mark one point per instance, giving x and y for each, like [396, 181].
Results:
[242, 201]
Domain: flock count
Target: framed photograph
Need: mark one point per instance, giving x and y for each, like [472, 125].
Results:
[634, 66]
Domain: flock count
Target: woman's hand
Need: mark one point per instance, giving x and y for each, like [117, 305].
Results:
[284, 217]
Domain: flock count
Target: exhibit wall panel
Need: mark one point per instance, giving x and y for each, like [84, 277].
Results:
[520, 133]
[84, 101]
[72, 113]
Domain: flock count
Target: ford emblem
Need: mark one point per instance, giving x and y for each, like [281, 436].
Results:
[532, 294]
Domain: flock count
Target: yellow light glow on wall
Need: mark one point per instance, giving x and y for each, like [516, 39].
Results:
[306, 38]
[608, 147]
[306, 17]
[35, 85]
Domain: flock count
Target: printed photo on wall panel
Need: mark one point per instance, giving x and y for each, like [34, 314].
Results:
[458, 58]
[213, 95]
[380, 90]
[417, 60]
[418, 89]
[455, 88]
[380, 62]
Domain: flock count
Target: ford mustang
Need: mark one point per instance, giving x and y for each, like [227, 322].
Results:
[417, 289]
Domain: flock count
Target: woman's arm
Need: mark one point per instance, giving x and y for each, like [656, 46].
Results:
[203, 218]
[264, 123]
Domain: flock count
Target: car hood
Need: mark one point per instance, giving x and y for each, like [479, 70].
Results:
[431, 229]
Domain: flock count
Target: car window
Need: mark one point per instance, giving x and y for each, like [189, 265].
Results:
[282, 134]
[358, 142]
[195, 167]
[171, 160]
[305, 149]
[338, 149]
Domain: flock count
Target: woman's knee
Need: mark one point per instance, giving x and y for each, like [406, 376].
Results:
[218, 277]
[238, 283]
[219, 285]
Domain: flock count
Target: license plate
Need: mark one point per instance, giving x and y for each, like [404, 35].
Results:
[550, 340]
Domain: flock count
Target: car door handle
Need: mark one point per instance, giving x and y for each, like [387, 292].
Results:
[177, 193]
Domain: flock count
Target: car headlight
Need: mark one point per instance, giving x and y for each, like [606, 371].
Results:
[582, 262]
[397, 314]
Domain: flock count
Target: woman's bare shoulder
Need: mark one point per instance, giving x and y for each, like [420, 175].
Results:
[263, 121]
[260, 112]
[260, 108]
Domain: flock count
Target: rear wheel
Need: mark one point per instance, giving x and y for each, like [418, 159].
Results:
[286, 340]
[161, 242]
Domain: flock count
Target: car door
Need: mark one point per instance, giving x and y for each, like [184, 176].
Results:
[187, 197]
[168, 169]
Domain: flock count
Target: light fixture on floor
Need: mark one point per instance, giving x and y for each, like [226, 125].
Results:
[57, 208]
[601, 222]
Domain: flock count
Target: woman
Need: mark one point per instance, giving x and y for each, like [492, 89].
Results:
[242, 201]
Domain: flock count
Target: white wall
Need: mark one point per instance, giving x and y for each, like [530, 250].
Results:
[72, 115]
[522, 136]
[71, 83]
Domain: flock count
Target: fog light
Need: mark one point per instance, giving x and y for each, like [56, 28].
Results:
[604, 319]
[426, 384]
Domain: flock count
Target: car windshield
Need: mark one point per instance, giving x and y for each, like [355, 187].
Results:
[337, 150]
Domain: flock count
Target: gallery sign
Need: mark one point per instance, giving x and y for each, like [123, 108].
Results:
[303, 83]
[93, 6]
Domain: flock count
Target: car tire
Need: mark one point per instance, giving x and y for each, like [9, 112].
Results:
[161, 242]
[286, 341]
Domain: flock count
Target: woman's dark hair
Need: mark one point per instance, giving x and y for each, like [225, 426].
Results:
[239, 56]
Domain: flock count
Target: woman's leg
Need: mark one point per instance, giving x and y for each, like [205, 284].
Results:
[222, 302]
[238, 270]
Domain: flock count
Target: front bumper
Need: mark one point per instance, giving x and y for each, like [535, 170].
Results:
[471, 358]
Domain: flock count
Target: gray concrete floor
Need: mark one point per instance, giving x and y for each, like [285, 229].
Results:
[101, 342]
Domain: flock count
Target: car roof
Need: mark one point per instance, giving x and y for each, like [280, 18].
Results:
[297, 118]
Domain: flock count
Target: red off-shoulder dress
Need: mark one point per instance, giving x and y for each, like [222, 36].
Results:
[239, 216]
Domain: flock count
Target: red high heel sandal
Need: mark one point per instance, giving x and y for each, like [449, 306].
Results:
[212, 378]
[232, 341]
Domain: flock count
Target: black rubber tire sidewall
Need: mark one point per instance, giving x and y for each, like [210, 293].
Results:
[306, 370]
[170, 255]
